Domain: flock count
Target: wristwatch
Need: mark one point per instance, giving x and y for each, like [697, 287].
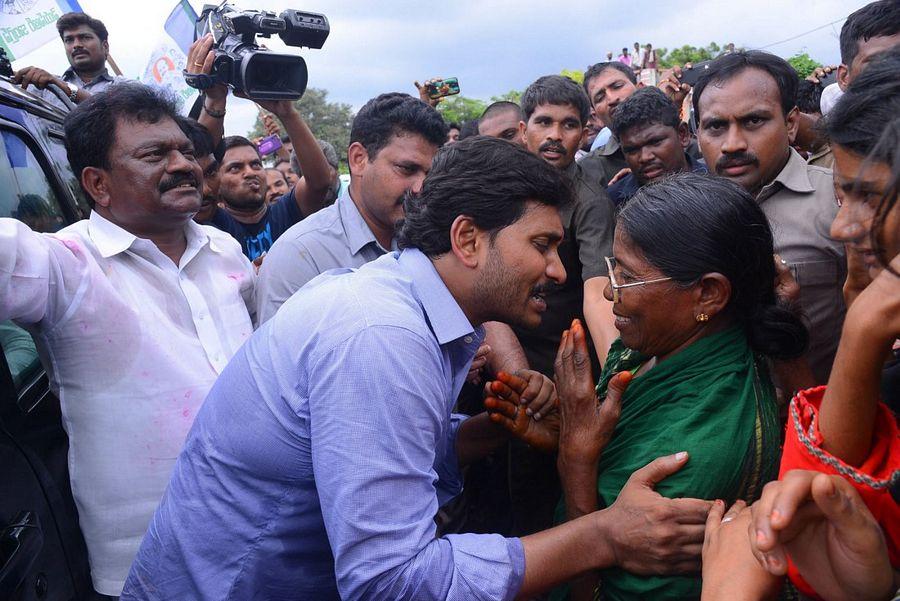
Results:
[73, 92]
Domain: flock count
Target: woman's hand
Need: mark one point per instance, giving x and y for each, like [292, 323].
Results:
[503, 403]
[730, 571]
[823, 525]
[586, 426]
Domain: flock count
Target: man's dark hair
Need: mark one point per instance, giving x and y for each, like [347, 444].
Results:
[453, 125]
[873, 99]
[390, 114]
[484, 178]
[91, 126]
[286, 139]
[70, 21]
[647, 106]
[229, 142]
[809, 97]
[558, 90]
[199, 136]
[874, 20]
[727, 66]
[688, 225]
[469, 128]
[501, 106]
[598, 68]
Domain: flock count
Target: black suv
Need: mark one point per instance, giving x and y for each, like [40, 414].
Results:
[42, 553]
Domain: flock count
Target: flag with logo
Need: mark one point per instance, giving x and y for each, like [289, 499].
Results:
[26, 25]
[169, 58]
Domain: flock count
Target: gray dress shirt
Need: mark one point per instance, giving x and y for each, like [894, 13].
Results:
[801, 205]
[336, 236]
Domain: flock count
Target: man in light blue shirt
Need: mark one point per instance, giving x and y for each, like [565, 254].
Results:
[316, 466]
[392, 142]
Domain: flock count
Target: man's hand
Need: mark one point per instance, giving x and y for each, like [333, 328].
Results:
[478, 363]
[200, 60]
[730, 571]
[503, 403]
[622, 173]
[823, 525]
[670, 83]
[653, 535]
[586, 425]
[819, 73]
[539, 394]
[786, 287]
[37, 77]
[423, 93]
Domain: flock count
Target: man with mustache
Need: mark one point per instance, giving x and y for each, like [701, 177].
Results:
[745, 104]
[392, 141]
[246, 215]
[653, 141]
[135, 312]
[555, 111]
[86, 44]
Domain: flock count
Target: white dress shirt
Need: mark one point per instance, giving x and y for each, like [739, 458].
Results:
[132, 344]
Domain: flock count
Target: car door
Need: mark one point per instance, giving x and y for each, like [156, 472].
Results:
[42, 552]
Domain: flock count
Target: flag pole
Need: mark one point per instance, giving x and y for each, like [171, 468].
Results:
[113, 64]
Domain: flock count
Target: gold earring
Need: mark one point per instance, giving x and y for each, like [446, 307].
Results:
[702, 318]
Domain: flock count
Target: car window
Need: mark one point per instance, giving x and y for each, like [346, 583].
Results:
[26, 195]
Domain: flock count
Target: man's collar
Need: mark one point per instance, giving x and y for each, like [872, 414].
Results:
[448, 322]
[358, 232]
[111, 239]
[70, 75]
[794, 176]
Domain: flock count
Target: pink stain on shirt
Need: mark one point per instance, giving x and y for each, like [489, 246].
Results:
[73, 246]
[236, 276]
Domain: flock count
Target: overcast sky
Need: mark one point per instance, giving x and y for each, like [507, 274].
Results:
[492, 46]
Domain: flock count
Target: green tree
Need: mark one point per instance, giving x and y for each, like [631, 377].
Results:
[575, 75]
[329, 121]
[687, 54]
[511, 96]
[803, 64]
[458, 109]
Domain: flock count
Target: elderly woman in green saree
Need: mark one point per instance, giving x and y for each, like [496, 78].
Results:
[692, 282]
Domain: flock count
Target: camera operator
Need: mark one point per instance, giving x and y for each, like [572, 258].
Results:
[242, 178]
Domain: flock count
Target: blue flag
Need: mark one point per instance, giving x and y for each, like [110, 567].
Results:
[180, 25]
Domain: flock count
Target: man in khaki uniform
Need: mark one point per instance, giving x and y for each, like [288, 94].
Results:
[747, 122]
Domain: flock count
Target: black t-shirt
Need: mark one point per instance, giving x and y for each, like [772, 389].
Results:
[257, 238]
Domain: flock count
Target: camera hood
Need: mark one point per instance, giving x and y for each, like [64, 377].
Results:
[271, 76]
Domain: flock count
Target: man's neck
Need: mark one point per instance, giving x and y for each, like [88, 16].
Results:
[787, 157]
[384, 236]
[247, 216]
[89, 76]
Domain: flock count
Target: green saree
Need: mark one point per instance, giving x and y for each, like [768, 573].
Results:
[715, 400]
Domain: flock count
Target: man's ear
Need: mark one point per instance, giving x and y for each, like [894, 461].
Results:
[585, 132]
[684, 135]
[357, 158]
[466, 241]
[843, 77]
[105, 45]
[793, 123]
[95, 182]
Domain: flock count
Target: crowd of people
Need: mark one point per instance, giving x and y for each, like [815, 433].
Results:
[509, 359]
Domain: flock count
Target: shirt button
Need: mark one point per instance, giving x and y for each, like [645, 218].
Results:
[468, 339]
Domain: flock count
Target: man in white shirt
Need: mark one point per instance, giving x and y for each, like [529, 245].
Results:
[135, 311]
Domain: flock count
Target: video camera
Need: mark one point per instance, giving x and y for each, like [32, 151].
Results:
[244, 66]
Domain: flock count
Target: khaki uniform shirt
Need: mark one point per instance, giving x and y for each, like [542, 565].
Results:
[824, 157]
[800, 205]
